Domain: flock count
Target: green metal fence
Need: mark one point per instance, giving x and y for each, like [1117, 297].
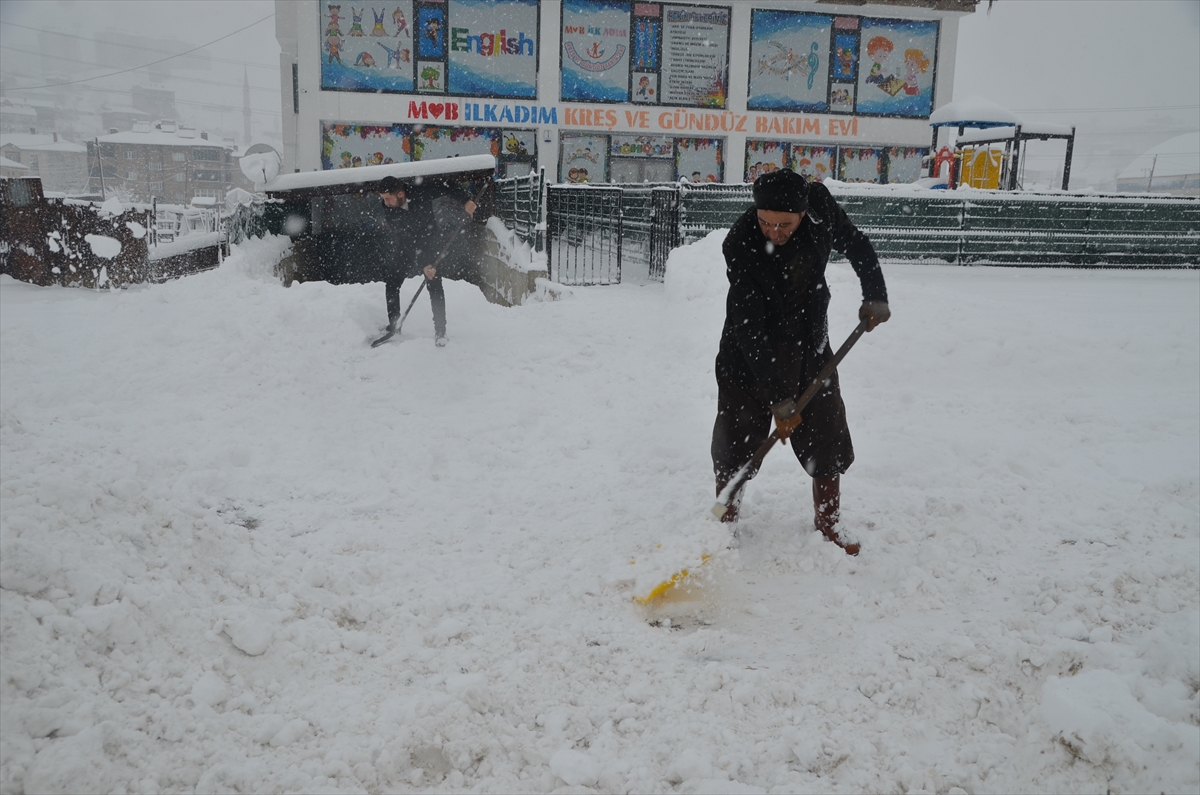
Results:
[975, 228]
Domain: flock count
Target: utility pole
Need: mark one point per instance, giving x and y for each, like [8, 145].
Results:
[100, 166]
[1150, 181]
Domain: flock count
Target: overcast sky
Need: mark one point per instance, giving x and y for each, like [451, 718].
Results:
[1126, 73]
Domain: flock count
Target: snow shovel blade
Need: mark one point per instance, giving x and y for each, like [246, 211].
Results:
[667, 585]
[727, 494]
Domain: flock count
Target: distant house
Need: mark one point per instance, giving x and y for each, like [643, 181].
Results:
[11, 168]
[1171, 167]
[61, 164]
[17, 117]
[164, 161]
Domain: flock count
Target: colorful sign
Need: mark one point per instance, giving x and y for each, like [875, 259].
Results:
[355, 59]
[789, 61]
[348, 145]
[699, 159]
[860, 165]
[493, 48]
[483, 48]
[898, 61]
[814, 162]
[595, 50]
[648, 53]
[763, 157]
[583, 158]
[695, 56]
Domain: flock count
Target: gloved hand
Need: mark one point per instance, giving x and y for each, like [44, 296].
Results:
[787, 418]
[874, 312]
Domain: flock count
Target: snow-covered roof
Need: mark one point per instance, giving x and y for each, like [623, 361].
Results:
[6, 163]
[1178, 157]
[1006, 132]
[185, 137]
[972, 111]
[41, 143]
[369, 174]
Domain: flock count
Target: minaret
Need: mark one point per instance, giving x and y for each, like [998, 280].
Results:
[245, 108]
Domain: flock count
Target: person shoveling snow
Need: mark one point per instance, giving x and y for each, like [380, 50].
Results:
[776, 340]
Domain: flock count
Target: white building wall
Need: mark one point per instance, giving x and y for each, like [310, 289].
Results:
[298, 25]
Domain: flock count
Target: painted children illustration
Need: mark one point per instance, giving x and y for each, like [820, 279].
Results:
[356, 28]
[915, 63]
[333, 45]
[433, 32]
[379, 29]
[878, 49]
[365, 59]
[400, 22]
[644, 91]
[395, 56]
[346, 163]
[334, 15]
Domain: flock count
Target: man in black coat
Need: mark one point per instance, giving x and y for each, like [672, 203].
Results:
[776, 336]
[417, 238]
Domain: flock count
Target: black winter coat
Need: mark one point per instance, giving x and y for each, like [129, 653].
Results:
[775, 335]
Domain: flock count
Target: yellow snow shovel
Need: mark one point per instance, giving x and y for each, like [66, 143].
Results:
[725, 498]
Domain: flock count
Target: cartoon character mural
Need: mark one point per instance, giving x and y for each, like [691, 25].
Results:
[334, 15]
[792, 61]
[333, 45]
[899, 82]
[365, 59]
[400, 22]
[915, 63]
[356, 28]
[378, 30]
[396, 56]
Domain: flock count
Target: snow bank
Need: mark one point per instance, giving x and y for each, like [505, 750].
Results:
[242, 551]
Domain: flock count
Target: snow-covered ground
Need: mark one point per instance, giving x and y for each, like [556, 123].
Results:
[241, 551]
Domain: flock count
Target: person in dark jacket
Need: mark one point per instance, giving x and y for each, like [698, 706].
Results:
[418, 235]
[776, 336]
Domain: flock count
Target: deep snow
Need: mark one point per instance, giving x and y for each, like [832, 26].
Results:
[241, 551]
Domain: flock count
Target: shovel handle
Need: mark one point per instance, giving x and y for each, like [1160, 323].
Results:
[743, 474]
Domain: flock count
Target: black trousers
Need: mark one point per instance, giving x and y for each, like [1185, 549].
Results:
[437, 300]
[822, 442]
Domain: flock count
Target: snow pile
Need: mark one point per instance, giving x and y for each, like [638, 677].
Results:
[241, 551]
[103, 245]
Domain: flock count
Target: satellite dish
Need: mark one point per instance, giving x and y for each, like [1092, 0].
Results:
[260, 164]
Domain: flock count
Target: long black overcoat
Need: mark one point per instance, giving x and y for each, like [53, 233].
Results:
[776, 332]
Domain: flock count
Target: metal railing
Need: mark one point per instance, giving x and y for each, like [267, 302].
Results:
[967, 228]
[519, 203]
[584, 234]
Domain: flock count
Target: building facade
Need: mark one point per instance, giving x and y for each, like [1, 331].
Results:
[617, 90]
[164, 161]
[60, 164]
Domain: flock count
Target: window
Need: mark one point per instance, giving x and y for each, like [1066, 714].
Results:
[178, 157]
[33, 163]
[208, 193]
[211, 155]
[131, 175]
[155, 166]
[129, 154]
[181, 177]
[156, 186]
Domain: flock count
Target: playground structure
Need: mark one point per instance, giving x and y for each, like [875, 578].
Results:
[976, 160]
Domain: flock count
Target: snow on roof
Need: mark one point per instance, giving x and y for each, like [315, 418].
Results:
[41, 143]
[6, 163]
[189, 137]
[369, 174]
[1177, 157]
[972, 111]
[1005, 133]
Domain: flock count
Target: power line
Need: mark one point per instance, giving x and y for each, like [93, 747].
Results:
[274, 66]
[218, 105]
[109, 66]
[152, 63]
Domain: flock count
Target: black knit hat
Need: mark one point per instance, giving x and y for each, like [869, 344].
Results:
[391, 185]
[782, 191]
